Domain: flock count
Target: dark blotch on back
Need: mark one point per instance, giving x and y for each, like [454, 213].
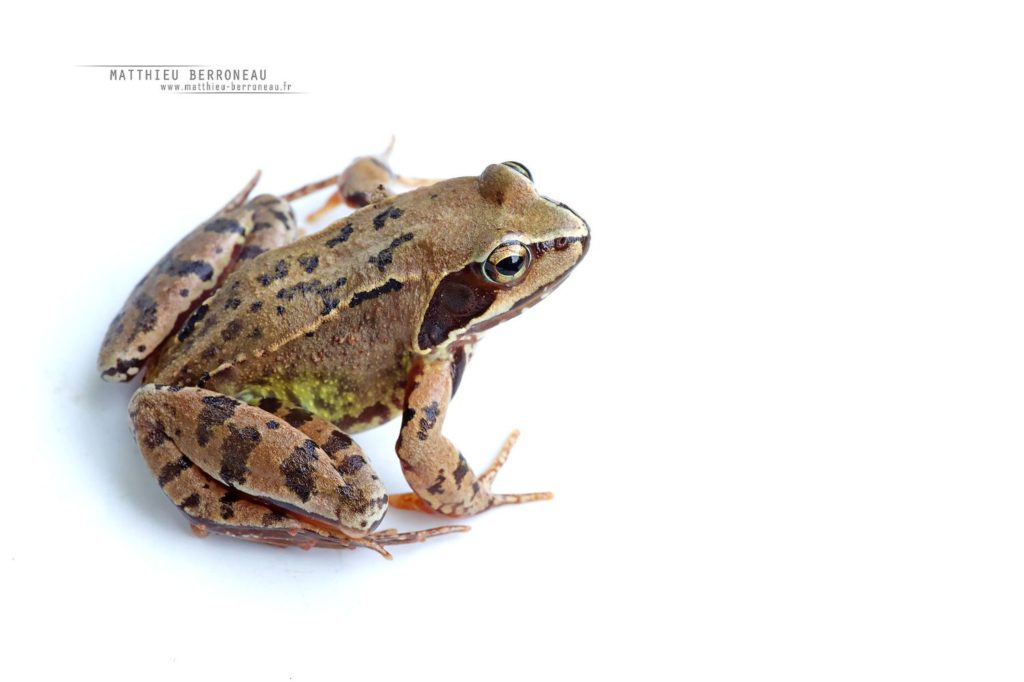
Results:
[361, 296]
[280, 272]
[378, 220]
[341, 237]
[326, 292]
[386, 255]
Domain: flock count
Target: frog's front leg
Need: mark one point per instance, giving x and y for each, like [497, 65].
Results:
[235, 469]
[437, 472]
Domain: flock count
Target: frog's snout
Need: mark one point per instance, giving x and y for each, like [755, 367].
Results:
[585, 242]
[585, 237]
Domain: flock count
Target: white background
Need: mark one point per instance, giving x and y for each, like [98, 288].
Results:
[779, 403]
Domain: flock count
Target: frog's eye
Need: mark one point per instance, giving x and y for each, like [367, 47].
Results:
[519, 168]
[507, 263]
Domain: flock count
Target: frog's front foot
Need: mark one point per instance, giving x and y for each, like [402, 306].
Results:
[479, 496]
[489, 474]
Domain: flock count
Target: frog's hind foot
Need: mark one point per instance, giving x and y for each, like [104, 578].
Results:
[290, 534]
[393, 537]
[308, 537]
[239, 199]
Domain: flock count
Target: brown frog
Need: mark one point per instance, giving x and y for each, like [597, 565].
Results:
[261, 351]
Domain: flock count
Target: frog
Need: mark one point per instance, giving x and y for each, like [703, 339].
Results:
[367, 178]
[261, 350]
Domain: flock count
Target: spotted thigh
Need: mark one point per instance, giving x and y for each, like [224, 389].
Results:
[345, 454]
[227, 463]
[187, 274]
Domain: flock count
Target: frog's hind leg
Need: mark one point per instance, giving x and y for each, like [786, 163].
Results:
[365, 180]
[240, 198]
[235, 470]
[346, 456]
[210, 505]
[187, 274]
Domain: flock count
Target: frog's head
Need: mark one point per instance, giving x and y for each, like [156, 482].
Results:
[520, 245]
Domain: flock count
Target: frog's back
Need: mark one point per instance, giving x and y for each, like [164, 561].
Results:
[326, 323]
[332, 322]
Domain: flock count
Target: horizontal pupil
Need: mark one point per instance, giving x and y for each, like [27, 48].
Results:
[509, 265]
